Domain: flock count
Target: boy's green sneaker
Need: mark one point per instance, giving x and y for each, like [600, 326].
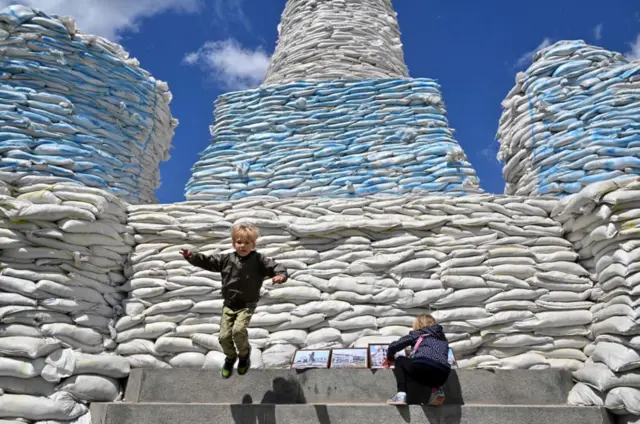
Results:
[244, 363]
[227, 368]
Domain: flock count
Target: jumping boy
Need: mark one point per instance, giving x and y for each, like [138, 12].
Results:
[243, 273]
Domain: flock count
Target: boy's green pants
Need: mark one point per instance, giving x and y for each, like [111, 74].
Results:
[233, 328]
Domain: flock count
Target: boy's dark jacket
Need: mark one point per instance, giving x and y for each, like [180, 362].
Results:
[433, 350]
[242, 277]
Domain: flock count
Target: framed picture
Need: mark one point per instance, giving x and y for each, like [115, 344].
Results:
[318, 358]
[350, 358]
[452, 359]
[378, 353]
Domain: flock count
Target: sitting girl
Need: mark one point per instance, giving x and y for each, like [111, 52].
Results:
[428, 363]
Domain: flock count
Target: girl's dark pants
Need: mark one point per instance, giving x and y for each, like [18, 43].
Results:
[408, 370]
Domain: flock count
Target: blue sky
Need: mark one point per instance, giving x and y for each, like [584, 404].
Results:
[474, 48]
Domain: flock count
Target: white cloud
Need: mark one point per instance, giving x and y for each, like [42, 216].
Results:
[234, 66]
[634, 54]
[597, 32]
[230, 10]
[526, 58]
[490, 152]
[108, 18]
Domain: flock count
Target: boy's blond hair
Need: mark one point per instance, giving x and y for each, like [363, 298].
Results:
[424, 320]
[247, 230]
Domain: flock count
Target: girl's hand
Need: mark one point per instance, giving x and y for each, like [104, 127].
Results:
[388, 363]
[187, 254]
[278, 279]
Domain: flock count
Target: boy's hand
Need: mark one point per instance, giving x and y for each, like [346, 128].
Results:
[187, 254]
[278, 279]
[388, 363]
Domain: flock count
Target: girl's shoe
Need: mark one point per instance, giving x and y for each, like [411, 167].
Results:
[227, 368]
[437, 396]
[400, 399]
[244, 363]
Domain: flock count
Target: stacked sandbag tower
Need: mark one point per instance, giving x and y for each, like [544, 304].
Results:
[82, 129]
[571, 119]
[337, 116]
[75, 108]
[63, 248]
[603, 222]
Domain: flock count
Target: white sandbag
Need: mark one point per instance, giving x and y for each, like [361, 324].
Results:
[148, 331]
[170, 345]
[207, 341]
[294, 337]
[21, 367]
[354, 323]
[299, 322]
[27, 347]
[326, 307]
[278, 356]
[60, 406]
[137, 347]
[106, 364]
[617, 357]
[290, 293]
[146, 361]
[596, 375]
[91, 388]
[27, 386]
[554, 319]
[188, 330]
[366, 341]
[565, 364]
[214, 360]
[188, 360]
[615, 325]
[477, 361]
[623, 401]
[323, 335]
[460, 314]
[583, 395]
[464, 346]
[526, 360]
[76, 336]
[399, 331]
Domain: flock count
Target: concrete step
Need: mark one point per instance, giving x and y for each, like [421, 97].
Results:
[481, 387]
[153, 413]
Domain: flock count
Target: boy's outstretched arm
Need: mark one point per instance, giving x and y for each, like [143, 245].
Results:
[211, 263]
[274, 270]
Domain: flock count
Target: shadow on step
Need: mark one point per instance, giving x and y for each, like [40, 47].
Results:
[284, 390]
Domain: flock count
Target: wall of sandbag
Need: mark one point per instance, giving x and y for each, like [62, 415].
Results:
[603, 221]
[495, 271]
[89, 289]
[570, 120]
[62, 253]
[332, 139]
[337, 39]
[74, 107]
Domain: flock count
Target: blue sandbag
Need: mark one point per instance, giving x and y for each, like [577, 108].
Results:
[94, 118]
[338, 139]
[570, 121]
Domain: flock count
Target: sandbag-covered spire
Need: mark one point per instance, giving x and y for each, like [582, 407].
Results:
[337, 39]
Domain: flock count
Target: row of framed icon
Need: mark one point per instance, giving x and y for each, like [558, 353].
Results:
[371, 357]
